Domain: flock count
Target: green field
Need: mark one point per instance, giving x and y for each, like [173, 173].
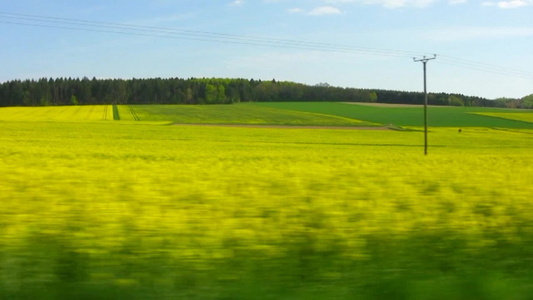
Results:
[445, 116]
[231, 114]
[282, 113]
[328, 114]
[134, 210]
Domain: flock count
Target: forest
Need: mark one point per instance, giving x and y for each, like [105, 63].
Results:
[85, 91]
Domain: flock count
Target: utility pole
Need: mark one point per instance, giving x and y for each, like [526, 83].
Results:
[424, 61]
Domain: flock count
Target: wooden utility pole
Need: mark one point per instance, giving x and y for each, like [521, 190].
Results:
[424, 61]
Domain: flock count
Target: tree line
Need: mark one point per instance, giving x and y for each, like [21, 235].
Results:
[76, 91]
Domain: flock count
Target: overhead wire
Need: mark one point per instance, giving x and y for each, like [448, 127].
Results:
[206, 36]
[484, 67]
[108, 27]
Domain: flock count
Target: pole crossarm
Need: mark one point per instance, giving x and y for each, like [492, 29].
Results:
[424, 61]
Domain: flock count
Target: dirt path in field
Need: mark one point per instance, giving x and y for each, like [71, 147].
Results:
[291, 127]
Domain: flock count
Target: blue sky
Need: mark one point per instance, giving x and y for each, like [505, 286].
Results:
[484, 48]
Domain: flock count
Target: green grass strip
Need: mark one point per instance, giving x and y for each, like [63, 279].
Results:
[116, 115]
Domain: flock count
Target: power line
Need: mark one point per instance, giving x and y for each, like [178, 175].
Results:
[118, 28]
[332, 48]
[484, 67]
[206, 36]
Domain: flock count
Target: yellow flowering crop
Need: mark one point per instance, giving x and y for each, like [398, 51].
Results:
[519, 116]
[57, 113]
[185, 211]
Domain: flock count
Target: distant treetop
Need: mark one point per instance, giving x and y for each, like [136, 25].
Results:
[75, 91]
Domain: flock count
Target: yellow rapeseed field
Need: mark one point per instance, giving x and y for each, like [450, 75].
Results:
[518, 116]
[57, 113]
[162, 212]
